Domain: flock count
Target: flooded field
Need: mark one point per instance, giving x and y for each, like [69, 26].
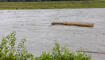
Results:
[36, 26]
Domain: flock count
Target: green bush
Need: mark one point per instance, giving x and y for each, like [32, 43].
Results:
[8, 51]
[62, 54]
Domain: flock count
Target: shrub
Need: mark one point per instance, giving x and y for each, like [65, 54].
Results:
[62, 54]
[8, 50]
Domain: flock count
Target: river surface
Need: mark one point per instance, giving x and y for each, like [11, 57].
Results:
[36, 26]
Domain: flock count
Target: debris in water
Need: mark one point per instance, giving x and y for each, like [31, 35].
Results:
[73, 24]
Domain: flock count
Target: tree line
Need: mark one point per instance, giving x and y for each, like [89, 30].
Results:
[36, 0]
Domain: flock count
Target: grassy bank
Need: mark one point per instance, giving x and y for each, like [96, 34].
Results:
[52, 5]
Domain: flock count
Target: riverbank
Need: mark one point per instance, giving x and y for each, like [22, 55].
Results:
[52, 5]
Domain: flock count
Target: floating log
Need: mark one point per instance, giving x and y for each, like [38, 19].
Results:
[73, 24]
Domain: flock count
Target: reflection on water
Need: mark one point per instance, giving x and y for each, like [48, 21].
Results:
[35, 25]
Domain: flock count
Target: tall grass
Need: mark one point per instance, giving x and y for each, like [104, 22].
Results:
[8, 51]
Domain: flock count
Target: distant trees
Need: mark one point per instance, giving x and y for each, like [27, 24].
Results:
[38, 0]
[18, 0]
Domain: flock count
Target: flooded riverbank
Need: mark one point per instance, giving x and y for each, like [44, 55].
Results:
[36, 26]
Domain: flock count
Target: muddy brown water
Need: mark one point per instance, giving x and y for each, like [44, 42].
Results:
[36, 26]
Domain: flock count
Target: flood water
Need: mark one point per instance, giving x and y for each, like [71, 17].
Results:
[36, 26]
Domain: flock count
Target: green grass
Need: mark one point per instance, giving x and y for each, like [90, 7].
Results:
[9, 51]
[52, 5]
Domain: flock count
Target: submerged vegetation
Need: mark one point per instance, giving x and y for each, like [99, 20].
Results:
[9, 51]
[52, 5]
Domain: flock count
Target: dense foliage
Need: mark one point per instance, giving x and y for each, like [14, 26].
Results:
[9, 51]
[43, 0]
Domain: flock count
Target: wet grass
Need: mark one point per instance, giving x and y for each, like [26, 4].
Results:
[52, 5]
